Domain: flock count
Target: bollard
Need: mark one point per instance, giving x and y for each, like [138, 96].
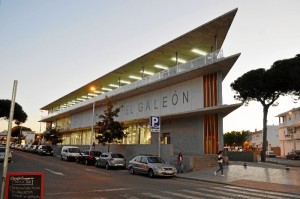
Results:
[287, 168]
[245, 164]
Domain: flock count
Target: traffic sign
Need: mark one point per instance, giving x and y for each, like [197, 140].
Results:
[154, 124]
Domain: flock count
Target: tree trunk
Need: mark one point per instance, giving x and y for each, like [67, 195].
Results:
[264, 146]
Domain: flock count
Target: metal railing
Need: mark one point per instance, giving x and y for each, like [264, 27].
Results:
[173, 71]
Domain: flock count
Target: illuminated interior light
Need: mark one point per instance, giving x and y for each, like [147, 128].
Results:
[97, 91]
[80, 99]
[106, 89]
[135, 77]
[92, 94]
[200, 52]
[125, 82]
[114, 85]
[147, 72]
[179, 60]
[161, 67]
[84, 97]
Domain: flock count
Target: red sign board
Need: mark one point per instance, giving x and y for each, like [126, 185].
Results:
[22, 185]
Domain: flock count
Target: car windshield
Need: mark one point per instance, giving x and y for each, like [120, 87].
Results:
[297, 152]
[155, 160]
[96, 153]
[74, 150]
[114, 155]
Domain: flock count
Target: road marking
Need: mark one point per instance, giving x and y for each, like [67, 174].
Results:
[99, 190]
[247, 192]
[54, 172]
[267, 192]
[152, 195]
[204, 194]
[181, 195]
[92, 170]
[224, 193]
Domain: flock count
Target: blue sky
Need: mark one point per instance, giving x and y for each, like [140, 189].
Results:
[54, 47]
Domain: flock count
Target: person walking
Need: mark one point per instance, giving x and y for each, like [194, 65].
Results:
[180, 163]
[220, 162]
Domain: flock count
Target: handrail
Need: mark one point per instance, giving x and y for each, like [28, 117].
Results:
[175, 70]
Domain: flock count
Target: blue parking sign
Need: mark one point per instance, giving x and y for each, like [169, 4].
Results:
[154, 121]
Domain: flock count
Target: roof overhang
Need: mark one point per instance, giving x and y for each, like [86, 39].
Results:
[208, 37]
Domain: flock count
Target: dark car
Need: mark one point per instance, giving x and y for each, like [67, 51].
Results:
[88, 157]
[111, 160]
[293, 155]
[45, 150]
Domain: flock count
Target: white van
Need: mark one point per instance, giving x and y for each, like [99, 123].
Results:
[69, 153]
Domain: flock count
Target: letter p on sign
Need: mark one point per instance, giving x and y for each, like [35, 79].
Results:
[154, 121]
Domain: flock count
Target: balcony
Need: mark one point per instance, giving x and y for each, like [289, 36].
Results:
[165, 74]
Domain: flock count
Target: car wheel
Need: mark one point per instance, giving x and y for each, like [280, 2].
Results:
[293, 158]
[96, 164]
[68, 159]
[86, 162]
[131, 170]
[61, 157]
[151, 173]
[106, 166]
[77, 160]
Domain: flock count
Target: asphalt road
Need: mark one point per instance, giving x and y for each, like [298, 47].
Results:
[64, 180]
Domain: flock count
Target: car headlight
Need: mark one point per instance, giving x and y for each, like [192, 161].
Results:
[158, 168]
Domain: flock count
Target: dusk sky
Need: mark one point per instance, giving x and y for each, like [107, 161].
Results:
[54, 47]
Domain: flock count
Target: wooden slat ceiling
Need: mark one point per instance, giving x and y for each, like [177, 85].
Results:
[203, 38]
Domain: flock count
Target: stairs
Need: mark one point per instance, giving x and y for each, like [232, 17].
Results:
[204, 162]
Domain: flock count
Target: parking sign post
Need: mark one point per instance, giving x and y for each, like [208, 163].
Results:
[155, 127]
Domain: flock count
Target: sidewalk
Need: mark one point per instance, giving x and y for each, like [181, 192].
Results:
[259, 175]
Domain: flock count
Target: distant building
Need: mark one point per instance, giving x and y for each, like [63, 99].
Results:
[256, 139]
[289, 130]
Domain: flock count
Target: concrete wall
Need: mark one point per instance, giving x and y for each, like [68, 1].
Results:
[246, 156]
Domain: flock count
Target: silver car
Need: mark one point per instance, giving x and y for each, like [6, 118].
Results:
[151, 165]
[2, 154]
[109, 160]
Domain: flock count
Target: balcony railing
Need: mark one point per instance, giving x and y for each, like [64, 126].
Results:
[175, 70]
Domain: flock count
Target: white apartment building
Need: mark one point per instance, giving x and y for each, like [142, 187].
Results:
[256, 139]
[289, 130]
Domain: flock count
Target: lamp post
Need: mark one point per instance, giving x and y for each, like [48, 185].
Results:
[92, 127]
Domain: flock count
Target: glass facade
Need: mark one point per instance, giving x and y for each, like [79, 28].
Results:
[136, 134]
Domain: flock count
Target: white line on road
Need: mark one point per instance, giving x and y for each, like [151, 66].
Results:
[54, 172]
[92, 170]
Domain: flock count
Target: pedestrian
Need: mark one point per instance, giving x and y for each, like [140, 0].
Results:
[220, 162]
[180, 163]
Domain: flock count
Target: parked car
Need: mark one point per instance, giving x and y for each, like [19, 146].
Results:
[33, 148]
[293, 155]
[270, 154]
[45, 150]
[109, 160]
[88, 157]
[69, 153]
[2, 154]
[151, 165]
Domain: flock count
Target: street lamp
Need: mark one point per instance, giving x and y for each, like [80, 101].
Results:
[93, 114]
[92, 126]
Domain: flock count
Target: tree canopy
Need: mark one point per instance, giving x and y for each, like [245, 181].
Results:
[16, 130]
[266, 86]
[52, 136]
[19, 115]
[107, 129]
[236, 138]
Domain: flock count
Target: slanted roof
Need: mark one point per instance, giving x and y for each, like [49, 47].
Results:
[207, 37]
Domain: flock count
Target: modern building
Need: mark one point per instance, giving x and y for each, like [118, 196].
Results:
[289, 130]
[180, 82]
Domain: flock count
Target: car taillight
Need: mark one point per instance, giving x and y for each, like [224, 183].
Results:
[110, 159]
